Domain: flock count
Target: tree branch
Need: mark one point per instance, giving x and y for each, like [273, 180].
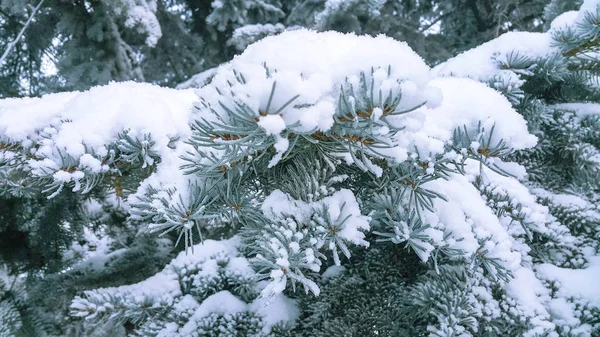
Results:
[11, 44]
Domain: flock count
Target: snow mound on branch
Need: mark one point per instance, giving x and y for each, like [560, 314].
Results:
[588, 6]
[165, 289]
[550, 295]
[484, 62]
[575, 282]
[581, 110]
[164, 285]
[82, 125]
[577, 293]
[465, 103]
[481, 63]
[334, 54]
[94, 118]
[308, 68]
[199, 80]
[245, 35]
[312, 66]
[564, 20]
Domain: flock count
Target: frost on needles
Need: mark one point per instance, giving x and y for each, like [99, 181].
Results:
[314, 167]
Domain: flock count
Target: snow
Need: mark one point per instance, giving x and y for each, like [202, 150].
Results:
[275, 309]
[466, 103]
[199, 80]
[247, 34]
[343, 205]
[529, 291]
[332, 222]
[21, 117]
[574, 286]
[533, 285]
[92, 164]
[580, 283]
[142, 13]
[564, 21]
[278, 203]
[165, 284]
[272, 124]
[581, 110]
[563, 310]
[164, 288]
[82, 124]
[332, 271]
[478, 63]
[206, 249]
[306, 68]
[534, 213]
[588, 6]
[569, 200]
[466, 216]
[222, 303]
[95, 249]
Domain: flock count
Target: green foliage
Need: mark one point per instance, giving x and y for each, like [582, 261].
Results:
[368, 297]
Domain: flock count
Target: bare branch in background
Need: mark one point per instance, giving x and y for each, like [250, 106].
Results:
[11, 44]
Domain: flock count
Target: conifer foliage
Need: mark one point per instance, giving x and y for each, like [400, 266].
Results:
[322, 184]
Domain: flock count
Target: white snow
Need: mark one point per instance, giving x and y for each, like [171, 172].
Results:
[478, 63]
[94, 251]
[564, 20]
[569, 200]
[580, 283]
[82, 124]
[276, 309]
[332, 271]
[465, 103]
[165, 285]
[313, 65]
[529, 291]
[530, 286]
[273, 124]
[247, 34]
[581, 110]
[309, 67]
[561, 309]
[278, 203]
[222, 303]
[164, 289]
[588, 6]
[574, 286]
[142, 13]
[344, 224]
[343, 205]
[469, 220]
[199, 80]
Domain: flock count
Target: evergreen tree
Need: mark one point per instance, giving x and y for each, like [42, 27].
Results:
[317, 187]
